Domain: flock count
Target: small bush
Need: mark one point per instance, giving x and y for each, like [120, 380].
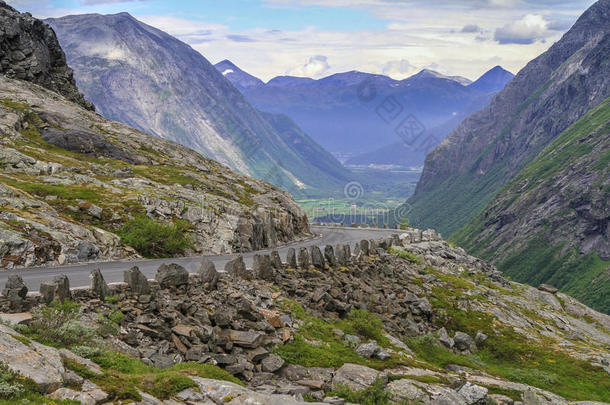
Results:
[9, 387]
[58, 325]
[109, 325]
[155, 240]
[86, 351]
[373, 395]
[403, 254]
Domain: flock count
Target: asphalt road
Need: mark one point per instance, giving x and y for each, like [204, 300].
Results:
[113, 270]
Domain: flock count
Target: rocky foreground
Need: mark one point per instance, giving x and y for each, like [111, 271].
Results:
[71, 179]
[406, 320]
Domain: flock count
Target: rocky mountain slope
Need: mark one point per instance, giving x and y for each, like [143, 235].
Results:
[29, 51]
[141, 76]
[357, 112]
[550, 223]
[403, 320]
[71, 179]
[490, 147]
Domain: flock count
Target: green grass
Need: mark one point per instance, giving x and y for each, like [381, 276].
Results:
[123, 375]
[316, 345]
[403, 254]
[510, 355]
[541, 259]
[586, 277]
[372, 395]
[153, 239]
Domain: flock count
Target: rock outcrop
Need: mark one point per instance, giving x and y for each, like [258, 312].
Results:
[64, 197]
[29, 50]
[260, 330]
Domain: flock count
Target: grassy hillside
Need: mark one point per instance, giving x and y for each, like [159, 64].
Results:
[549, 224]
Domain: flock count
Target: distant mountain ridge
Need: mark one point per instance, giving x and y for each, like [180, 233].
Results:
[141, 76]
[486, 150]
[334, 113]
[525, 181]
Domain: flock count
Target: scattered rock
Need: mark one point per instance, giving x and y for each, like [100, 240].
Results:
[171, 275]
[547, 288]
[464, 342]
[406, 391]
[57, 289]
[473, 394]
[357, 377]
[303, 258]
[137, 282]
[98, 285]
[291, 259]
[317, 259]
[237, 268]
[209, 275]
[272, 363]
[444, 338]
[262, 267]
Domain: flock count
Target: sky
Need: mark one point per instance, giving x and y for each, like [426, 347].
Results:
[316, 38]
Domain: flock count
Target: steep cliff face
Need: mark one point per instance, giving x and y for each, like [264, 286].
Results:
[550, 224]
[71, 179]
[489, 148]
[29, 51]
[141, 76]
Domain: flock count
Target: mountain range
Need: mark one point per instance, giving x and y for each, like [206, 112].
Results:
[524, 181]
[141, 76]
[356, 113]
[72, 180]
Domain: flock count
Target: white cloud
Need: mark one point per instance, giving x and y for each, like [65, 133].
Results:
[314, 67]
[527, 30]
[399, 69]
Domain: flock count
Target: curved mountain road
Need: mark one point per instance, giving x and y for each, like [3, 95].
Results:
[113, 270]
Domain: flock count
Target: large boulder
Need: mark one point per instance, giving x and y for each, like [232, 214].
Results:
[41, 364]
[56, 290]
[357, 377]
[317, 259]
[276, 260]
[261, 267]
[364, 247]
[137, 282]
[329, 255]
[208, 273]
[473, 394]
[89, 394]
[224, 392]
[172, 275]
[15, 291]
[464, 342]
[407, 391]
[237, 268]
[303, 258]
[98, 284]
[291, 258]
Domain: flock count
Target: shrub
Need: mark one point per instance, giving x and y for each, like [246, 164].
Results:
[58, 325]
[86, 351]
[9, 387]
[372, 395]
[403, 254]
[156, 240]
